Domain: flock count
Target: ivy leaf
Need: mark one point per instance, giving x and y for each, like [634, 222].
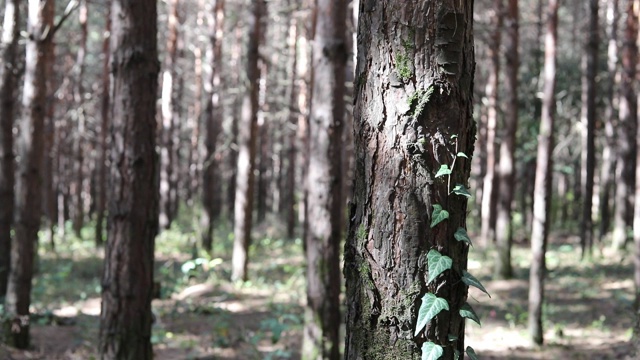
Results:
[444, 170]
[430, 307]
[462, 191]
[461, 154]
[471, 280]
[456, 354]
[438, 263]
[431, 351]
[438, 215]
[472, 353]
[461, 235]
[466, 311]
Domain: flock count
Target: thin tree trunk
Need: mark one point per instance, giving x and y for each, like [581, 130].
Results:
[289, 189]
[247, 138]
[326, 203]
[413, 114]
[504, 232]
[543, 179]
[590, 67]
[127, 283]
[8, 83]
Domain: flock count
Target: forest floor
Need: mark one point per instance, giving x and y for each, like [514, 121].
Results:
[201, 315]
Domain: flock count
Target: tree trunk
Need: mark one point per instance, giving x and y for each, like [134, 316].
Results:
[211, 178]
[127, 283]
[490, 191]
[590, 67]
[8, 79]
[247, 137]
[289, 188]
[326, 203]
[504, 232]
[413, 116]
[543, 178]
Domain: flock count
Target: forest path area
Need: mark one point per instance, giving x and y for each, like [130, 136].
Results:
[201, 315]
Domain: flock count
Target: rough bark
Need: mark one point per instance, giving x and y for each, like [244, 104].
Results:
[8, 83]
[588, 112]
[326, 203]
[127, 283]
[211, 177]
[247, 137]
[413, 114]
[543, 178]
[506, 168]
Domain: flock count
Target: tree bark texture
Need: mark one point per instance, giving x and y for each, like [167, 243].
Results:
[506, 168]
[325, 203]
[543, 178]
[127, 283]
[413, 114]
[590, 67]
[28, 190]
[8, 83]
[247, 137]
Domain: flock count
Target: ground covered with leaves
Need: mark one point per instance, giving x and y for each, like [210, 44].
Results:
[201, 315]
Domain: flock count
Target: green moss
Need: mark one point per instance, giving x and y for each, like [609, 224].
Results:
[419, 100]
[403, 67]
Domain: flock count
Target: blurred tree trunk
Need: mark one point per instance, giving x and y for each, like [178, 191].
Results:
[413, 113]
[8, 84]
[211, 178]
[168, 160]
[105, 102]
[627, 127]
[236, 54]
[543, 178]
[504, 231]
[607, 170]
[325, 203]
[127, 283]
[28, 181]
[589, 72]
[247, 138]
[490, 183]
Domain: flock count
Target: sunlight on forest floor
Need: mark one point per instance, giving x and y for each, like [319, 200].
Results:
[201, 315]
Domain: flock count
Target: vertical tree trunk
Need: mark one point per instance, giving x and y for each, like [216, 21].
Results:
[413, 115]
[211, 180]
[506, 167]
[590, 67]
[8, 79]
[543, 179]
[105, 102]
[247, 137]
[28, 190]
[236, 51]
[326, 203]
[127, 283]
[490, 191]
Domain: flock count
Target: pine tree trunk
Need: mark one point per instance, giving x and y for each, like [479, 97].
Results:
[413, 114]
[127, 283]
[543, 179]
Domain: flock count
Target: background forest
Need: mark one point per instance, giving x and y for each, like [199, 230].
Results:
[253, 137]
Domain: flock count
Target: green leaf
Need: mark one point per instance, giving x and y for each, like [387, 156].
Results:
[453, 136]
[471, 280]
[444, 170]
[438, 215]
[456, 354]
[438, 263]
[461, 235]
[461, 190]
[431, 351]
[430, 307]
[472, 353]
[466, 311]
[461, 154]
[452, 338]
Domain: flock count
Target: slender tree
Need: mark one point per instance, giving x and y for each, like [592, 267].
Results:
[506, 168]
[8, 82]
[247, 137]
[543, 179]
[326, 203]
[127, 283]
[413, 116]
